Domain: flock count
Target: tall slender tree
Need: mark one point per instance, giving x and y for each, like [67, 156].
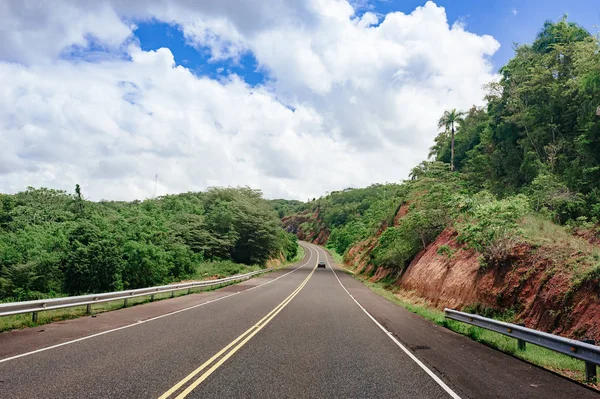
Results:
[78, 198]
[447, 121]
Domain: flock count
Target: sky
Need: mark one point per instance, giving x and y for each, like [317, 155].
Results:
[296, 98]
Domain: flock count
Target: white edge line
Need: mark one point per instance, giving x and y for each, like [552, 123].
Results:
[391, 336]
[137, 323]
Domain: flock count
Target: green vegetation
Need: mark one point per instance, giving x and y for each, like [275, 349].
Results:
[490, 226]
[540, 131]
[530, 157]
[446, 251]
[298, 257]
[54, 244]
[354, 214]
[285, 207]
[337, 258]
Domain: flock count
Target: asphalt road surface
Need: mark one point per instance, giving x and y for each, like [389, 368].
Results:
[301, 332]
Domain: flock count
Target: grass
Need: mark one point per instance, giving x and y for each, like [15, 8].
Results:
[204, 271]
[339, 259]
[541, 231]
[220, 269]
[573, 254]
[559, 363]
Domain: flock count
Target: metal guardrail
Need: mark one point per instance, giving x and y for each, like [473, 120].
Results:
[582, 350]
[33, 307]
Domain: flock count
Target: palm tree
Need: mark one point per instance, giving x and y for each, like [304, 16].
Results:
[447, 121]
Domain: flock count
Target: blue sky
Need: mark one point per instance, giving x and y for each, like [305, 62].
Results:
[498, 18]
[154, 35]
[508, 21]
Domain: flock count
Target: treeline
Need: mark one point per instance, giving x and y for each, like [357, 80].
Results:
[532, 152]
[54, 243]
[540, 131]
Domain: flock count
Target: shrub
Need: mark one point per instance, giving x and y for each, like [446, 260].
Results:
[397, 246]
[343, 237]
[547, 191]
[289, 245]
[491, 226]
[446, 251]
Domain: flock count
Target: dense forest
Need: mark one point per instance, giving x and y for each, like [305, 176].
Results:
[530, 157]
[540, 126]
[55, 243]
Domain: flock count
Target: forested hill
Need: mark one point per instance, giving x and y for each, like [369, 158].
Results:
[535, 143]
[509, 220]
[540, 126]
[53, 243]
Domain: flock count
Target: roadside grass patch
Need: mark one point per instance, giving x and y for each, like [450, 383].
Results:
[339, 259]
[220, 269]
[541, 231]
[574, 254]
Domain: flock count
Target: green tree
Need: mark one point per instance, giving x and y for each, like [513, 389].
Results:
[94, 262]
[52, 242]
[560, 32]
[144, 265]
[447, 121]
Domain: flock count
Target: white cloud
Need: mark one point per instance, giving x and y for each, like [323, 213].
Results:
[514, 11]
[218, 35]
[366, 94]
[35, 31]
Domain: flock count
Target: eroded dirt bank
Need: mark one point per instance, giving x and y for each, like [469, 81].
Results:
[539, 291]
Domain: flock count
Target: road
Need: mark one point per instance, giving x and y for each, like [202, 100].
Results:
[300, 332]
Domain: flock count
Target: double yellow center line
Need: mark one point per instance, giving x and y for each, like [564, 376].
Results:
[227, 351]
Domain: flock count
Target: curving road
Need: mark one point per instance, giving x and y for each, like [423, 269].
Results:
[300, 332]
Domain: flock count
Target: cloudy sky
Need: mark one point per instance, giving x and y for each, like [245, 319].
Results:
[295, 97]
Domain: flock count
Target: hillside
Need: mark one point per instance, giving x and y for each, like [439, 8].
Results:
[504, 218]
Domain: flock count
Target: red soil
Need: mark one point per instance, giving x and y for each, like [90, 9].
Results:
[401, 212]
[527, 282]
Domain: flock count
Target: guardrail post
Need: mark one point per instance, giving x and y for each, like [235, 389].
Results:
[521, 345]
[173, 294]
[590, 368]
[189, 291]
[34, 317]
[152, 298]
[125, 302]
[88, 308]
